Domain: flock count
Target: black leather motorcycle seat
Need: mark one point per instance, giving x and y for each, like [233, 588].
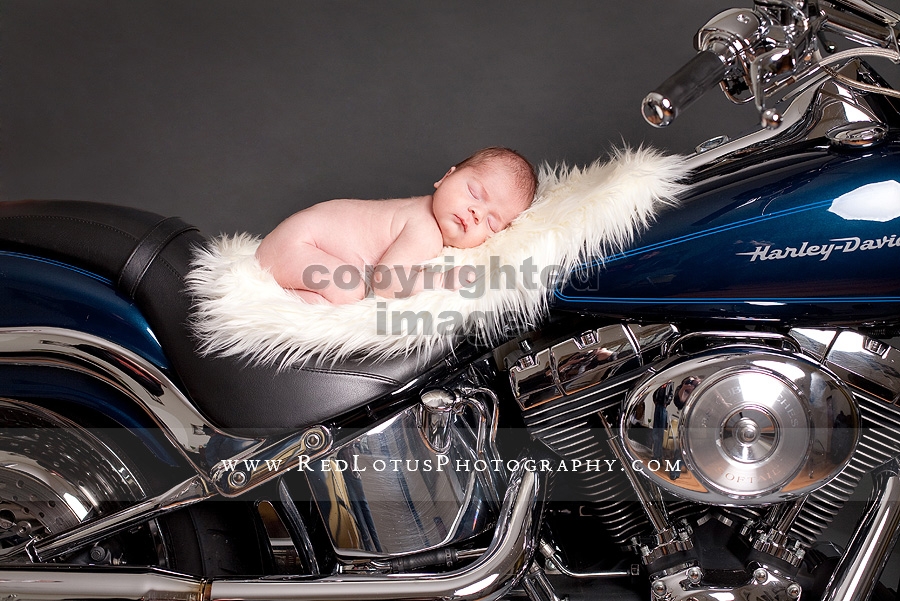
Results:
[233, 395]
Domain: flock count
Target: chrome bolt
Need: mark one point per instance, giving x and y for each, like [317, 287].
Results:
[794, 591]
[237, 479]
[695, 574]
[770, 119]
[314, 440]
[760, 575]
[23, 528]
[659, 588]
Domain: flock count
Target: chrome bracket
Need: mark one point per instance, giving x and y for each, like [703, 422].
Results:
[686, 583]
[664, 543]
[236, 475]
[771, 536]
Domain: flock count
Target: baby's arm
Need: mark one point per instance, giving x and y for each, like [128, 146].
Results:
[399, 272]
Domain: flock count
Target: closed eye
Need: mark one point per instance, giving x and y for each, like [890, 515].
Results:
[476, 189]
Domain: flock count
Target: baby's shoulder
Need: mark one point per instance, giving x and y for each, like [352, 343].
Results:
[425, 232]
[423, 223]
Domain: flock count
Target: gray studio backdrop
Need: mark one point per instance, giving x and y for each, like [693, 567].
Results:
[234, 114]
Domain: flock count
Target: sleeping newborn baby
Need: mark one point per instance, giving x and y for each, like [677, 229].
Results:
[337, 251]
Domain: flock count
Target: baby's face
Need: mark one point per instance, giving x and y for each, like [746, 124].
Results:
[473, 203]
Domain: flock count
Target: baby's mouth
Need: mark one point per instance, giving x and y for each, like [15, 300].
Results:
[462, 222]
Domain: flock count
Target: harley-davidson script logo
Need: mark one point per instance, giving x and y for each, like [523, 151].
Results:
[824, 251]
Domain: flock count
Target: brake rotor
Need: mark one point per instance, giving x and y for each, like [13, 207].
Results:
[54, 474]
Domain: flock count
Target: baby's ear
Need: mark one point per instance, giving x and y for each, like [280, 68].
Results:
[441, 181]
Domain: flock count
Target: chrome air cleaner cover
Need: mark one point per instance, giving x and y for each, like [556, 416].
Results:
[741, 425]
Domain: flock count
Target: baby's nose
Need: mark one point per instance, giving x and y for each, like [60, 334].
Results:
[476, 213]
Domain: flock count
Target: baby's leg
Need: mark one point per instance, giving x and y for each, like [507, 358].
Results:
[311, 298]
[318, 276]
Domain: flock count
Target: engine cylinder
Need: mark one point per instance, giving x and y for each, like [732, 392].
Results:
[740, 425]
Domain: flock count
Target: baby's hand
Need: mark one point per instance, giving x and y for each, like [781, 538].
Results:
[460, 277]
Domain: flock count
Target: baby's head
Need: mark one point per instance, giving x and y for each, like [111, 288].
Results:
[481, 196]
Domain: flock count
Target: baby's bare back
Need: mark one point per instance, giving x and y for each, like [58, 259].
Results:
[332, 238]
[356, 231]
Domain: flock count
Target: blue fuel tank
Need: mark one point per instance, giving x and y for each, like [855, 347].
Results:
[811, 234]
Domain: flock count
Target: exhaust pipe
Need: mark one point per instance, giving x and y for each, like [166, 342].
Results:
[501, 566]
[869, 548]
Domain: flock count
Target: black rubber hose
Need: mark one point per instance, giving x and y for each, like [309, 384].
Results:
[438, 557]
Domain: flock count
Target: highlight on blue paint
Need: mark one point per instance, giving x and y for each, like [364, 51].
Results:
[822, 204]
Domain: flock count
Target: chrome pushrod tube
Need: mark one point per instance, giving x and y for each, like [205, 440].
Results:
[490, 577]
[860, 567]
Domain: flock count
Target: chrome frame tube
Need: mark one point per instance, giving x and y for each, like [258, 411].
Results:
[503, 564]
[184, 494]
[185, 428]
[860, 567]
[181, 423]
[554, 562]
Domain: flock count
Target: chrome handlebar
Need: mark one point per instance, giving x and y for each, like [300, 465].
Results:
[753, 53]
[703, 72]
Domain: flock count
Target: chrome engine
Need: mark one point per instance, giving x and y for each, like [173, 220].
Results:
[738, 425]
[767, 433]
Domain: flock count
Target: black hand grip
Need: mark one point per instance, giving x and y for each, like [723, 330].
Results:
[690, 82]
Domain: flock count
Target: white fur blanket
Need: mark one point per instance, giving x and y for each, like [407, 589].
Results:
[594, 211]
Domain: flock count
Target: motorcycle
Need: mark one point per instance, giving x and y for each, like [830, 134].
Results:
[692, 415]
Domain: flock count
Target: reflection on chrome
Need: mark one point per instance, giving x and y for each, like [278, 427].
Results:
[391, 491]
[43, 461]
[685, 584]
[493, 574]
[181, 423]
[741, 425]
[190, 434]
[869, 548]
[578, 363]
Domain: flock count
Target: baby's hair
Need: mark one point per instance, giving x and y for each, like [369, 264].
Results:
[523, 170]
